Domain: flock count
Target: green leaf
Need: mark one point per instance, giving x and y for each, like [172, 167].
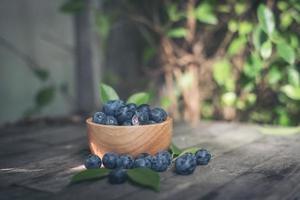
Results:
[90, 174]
[291, 92]
[266, 19]
[221, 71]
[237, 45]
[145, 177]
[148, 53]
[165, 102]
[103, 23]
[175, 150]
[293, 77]
[42, 74]
[72, 6]
[228, 99]
[266, 49]
[192, 150]
[173, 13]
[139, 98]
[44, 96]
[204, 13]
[274, 75]
[240, 7]
[286, 52]
[268, 130]
[259, 37]
[107, 93]
[177, 32]
[245, 27]
[253, 66]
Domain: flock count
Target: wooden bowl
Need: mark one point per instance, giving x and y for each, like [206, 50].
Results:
[131, 140]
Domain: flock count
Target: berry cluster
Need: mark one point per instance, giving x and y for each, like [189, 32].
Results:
[116, 112]
[160, 162]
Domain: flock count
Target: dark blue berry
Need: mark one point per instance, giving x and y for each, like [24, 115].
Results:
[110, 120]
[117, 176]
[185, 164]
[99, 118]
[127, 123]
[159, 164]
[125, 161]
[144, 108]
[110, 160]
[142, 116]
[124, 114]
[112, 106]
[132, 106]
[144, 155]
[158, 115]
[142, 162]
[202, 157]
[92, 162]
[165, 155]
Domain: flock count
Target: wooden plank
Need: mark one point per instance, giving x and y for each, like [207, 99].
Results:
[21, 193]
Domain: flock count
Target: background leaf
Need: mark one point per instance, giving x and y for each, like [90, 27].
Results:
[145, 177]
[139, 98]
[286, 52]
[44, 96]
[266, 19]
[291, 92]
[72, 6]
[107, 93]
[204, 13]
[90, 174]
[266, 49]
[177, 32]
[42, 74]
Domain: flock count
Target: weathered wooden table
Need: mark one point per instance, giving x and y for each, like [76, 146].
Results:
[37, 161]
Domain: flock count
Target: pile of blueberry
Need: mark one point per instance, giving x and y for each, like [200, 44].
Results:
[184, 164]
[116, 112]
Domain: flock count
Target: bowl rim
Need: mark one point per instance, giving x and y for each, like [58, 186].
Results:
[90, 122]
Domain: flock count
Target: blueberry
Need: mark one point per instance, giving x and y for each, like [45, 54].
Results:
[112, 106]
[142, 162]
[159, 164]
[132, 106]
[151, 122]
[144, 108]
[127, 123]
[185, 164]
[92, 162]
[110, 120]
[144, 155]
[124, 113]
[99, 118]
[158, 115]
[125, 161]
[110, 160]
[135, 120]
[117, 176]
[165, 155]
[142, 116]
[202, 157]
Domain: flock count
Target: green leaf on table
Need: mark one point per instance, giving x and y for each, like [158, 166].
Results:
[107, 93]
[291, 92]
[139, 98]
[204, 13]
[175, 150]
[44, 96]
[286, 52]
[177, 32]
[192, 150]
[145, 177]
[90, 174]
[266, 19]
[266, 49]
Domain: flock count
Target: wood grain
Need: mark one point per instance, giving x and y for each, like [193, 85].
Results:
[131, 140]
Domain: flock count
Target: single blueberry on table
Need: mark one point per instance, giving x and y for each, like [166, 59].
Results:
[110, 120]
[165, 155]
[142, 162]
[185, 164]
[125, 161]
[202, 157]
[159, 164]
[142, 116]
[117, 176]
[110, 160]
[112, 106]
[144, 108]
[158, 115]
[93, 162]
[124, 114]
[99, 118]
